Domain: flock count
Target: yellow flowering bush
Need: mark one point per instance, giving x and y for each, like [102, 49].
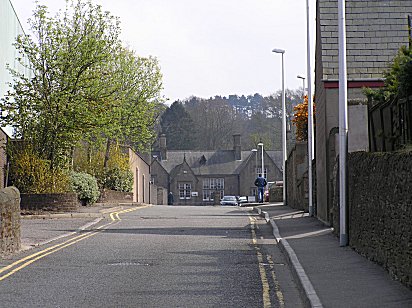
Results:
[300, 119]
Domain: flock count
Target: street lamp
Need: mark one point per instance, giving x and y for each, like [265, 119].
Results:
[311, 144]
[255, 152]
[303, 83]
[263, 172]
[282, 52]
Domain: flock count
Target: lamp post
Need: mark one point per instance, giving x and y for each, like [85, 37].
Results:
[262, 170]
[255, 152]
[311, 146]
[303, 83]
[282, 52]
[343, 126]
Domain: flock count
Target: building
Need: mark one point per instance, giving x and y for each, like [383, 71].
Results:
[195, 177]
[10, 28]
[375, 30]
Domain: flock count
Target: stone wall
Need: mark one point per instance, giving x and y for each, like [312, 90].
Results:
[297, 177]
[111, 196]
[9, 220]
[50, 202]
[380, 210]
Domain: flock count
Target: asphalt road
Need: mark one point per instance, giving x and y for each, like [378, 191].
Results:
[156, 257]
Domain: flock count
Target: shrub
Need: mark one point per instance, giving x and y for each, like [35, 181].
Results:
[31, 174]
[300, 119]
[119, 180]
[85, 185]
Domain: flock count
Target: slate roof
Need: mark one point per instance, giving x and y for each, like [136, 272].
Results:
[375, 30]
[213, 162]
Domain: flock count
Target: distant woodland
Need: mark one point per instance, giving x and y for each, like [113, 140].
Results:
[208, 124]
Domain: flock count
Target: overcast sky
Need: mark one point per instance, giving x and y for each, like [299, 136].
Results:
[211, 47]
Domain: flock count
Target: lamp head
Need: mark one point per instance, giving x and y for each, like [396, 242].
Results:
[276, 50]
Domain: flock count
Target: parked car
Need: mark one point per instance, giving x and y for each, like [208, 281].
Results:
[229, 200]
[242, 200]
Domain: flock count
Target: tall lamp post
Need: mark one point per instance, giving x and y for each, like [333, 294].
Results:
[311, 146]
[263, 166]
[255, 152]
[343, 126]
[282, 52]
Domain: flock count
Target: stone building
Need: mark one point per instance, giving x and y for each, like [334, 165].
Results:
[10, 28]
[375, 30]
[195, 177]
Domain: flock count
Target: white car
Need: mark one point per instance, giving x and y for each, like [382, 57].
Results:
[229, 200]
[242, 200]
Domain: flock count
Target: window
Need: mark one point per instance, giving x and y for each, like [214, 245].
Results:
[212, 185]
[259, 171]
[185, 191]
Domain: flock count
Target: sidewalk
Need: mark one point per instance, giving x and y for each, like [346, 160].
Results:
[329, 275]
[46, 227]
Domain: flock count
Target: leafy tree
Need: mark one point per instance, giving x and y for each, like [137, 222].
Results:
[70, 58]
[216, 122]
[179, 127]
[398, 78]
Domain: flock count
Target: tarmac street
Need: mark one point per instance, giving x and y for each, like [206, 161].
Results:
[157, 256]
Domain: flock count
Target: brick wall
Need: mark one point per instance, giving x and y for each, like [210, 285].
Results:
[50, 202]
[380, 210]
[9, 220]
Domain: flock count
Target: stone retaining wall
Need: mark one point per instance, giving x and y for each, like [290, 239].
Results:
[112, 196]
[380, 210]
[64, 202]
[9, 220]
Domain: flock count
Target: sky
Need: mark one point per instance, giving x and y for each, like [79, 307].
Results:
[211, 47]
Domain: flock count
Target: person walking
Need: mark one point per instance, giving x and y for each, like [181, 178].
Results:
[170, 199]
[260, 182]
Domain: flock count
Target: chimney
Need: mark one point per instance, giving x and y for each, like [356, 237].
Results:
[237, 147]
[163, 147]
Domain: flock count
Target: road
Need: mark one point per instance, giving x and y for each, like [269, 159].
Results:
[156, 257]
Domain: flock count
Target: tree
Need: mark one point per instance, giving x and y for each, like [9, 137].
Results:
[72, 85]
[179, 127]
[216, 122]
[398, 78]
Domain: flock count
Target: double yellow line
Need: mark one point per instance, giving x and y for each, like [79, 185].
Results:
[115, 215]
[11, 269]
[263, 277]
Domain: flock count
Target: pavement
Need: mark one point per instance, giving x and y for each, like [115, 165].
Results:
[327, 275]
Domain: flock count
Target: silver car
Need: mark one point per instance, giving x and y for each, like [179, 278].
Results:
[229, 200]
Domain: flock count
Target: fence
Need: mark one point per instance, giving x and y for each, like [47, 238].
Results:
[390, 125]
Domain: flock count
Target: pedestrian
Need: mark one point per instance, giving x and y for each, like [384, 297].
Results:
[260, 182]
[170, 199]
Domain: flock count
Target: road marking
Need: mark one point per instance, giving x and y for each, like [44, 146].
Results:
[278, 292]
[262, 271]
[90, 234]
[115, 215]
[45, 252]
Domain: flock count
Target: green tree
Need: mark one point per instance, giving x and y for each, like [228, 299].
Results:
[179, 127]
[72, 85]
[398, 78]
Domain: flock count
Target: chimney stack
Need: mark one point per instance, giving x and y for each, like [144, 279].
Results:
[237, 147]
[163, 147]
